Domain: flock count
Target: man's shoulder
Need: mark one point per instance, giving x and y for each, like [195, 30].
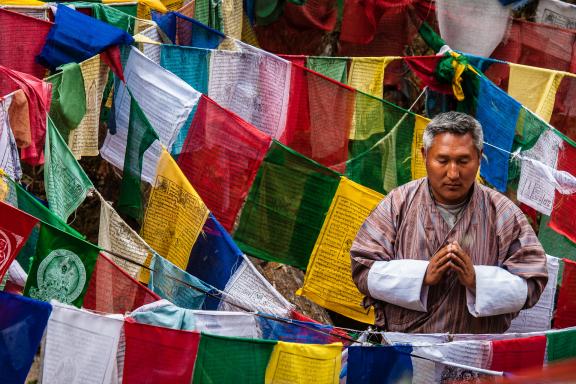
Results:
[408, 188]
[499, 202]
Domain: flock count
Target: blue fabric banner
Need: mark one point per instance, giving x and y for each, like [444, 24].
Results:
[379, 365]
[22, 324]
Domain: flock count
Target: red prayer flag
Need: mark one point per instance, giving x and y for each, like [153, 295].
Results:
[566, 308]
[220, 158]
[158, 355]
[39, 95]
[320, 114]
[425, 68]
[15, 227]
[112, 290]
[517, 354]
[563, 219]
[21, 39]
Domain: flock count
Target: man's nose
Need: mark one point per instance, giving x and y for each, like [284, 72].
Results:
[453, 172]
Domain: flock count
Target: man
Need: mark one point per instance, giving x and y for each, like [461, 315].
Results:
[444, 253]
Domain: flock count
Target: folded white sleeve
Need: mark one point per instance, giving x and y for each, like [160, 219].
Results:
[399, 282]
[497, 292]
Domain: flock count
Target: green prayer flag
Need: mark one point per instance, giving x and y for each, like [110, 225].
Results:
[115, 17]
[68, 105]
[236, 360]
[561, 345]
[432, 39]
[65, 181]
[381, 152]
[286, 206]
[555, 244]
[61, 268]
[333, 67]
[141, 135]
[209, 12]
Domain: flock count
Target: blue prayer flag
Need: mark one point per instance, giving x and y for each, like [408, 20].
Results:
[296, 331]
[22, 324]
[185, 31]
[379, 365]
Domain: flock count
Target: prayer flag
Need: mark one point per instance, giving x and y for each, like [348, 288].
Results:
[111, 290]
[66, 182]
[304, 363]
[176, 285]
[159, 355]
[190, 64]
[22, 325]
[26, 36]
[61, 268]
[214, 258]
[561, 345]
[68, 104]
[116, 236]
[15, 227]
[535, 88]
[232, 360]
[141, 135]
[193, 33]
[333, 67]
[80, 346]
[296, 331]
[283, 214]
[517, 354]
[380, 364]
[555, 243]
[367, 74]
[10, 159]
[418, 165]
[175, 213]
[222, 153]
[566, 308]
[320, 116]
[64, 44]
[560, 220]
[328, 281]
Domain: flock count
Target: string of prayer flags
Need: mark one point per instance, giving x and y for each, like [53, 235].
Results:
[175, 213]
[112, 290]
[68, 104]
[328, 281]
[214, 258]
[232, 360]
[285, 208]
[253, 84]
[141, 135]
[158, 354]
[61, 268]
[561, 345]
[25, 35]
[539, 317]
[517, 354]
[22, 325]
[222, 152]
[535, 88]
[38, 95]
[176, 285]
[247, 289]
[10, 159]
[147, 82]
[80, 346]
[560, 221]
[67, 185]
[64, 45]
[380, 154]
[15, 227]
[304, 363]
[380, 364]
[83, 141]
[565, 315]
[335, 68]
[320, 116]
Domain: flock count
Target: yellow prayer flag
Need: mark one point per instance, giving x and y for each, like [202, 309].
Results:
[535, 88]
[418, 165]
[232, 12]
[294, 363]
[367, 74]
[175, 213]
[144, 7]
[328, 281]
[27, 3]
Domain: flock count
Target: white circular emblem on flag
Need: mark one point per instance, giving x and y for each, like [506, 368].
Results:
[61, 276]
[5, 249]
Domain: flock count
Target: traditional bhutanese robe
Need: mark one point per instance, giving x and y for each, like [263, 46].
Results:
[391, 251]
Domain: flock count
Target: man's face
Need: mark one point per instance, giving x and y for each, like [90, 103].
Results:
[452, 162]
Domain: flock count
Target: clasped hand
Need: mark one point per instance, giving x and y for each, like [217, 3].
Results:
[453, 257]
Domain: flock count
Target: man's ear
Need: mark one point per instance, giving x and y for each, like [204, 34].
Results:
[423, 151]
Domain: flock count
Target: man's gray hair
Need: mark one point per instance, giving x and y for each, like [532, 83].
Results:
[457, 123]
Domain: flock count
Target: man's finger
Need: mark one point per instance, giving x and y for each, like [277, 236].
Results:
[443, 260]
[459, 262]
[443, 268]
[458, 269]
[443, 251]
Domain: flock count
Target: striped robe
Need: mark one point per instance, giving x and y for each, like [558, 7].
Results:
[407, 225]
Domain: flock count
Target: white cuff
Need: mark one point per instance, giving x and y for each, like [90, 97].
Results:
[497, 292]
[399, 282]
